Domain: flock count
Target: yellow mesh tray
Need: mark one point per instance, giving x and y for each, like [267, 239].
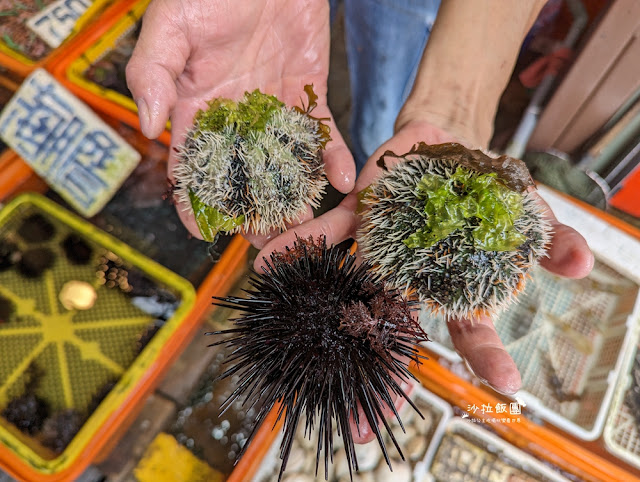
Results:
[77, 352]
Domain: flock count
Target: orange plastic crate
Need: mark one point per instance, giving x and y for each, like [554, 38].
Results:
[23, 65]
[90, 46]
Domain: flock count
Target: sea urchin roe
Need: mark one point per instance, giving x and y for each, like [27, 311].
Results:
[467, 199]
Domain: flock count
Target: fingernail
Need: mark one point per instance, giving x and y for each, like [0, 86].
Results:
[508, 389]
[145, 118]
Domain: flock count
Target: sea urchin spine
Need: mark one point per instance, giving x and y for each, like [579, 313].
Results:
[454, 227]
[322, 336]
[252, 165]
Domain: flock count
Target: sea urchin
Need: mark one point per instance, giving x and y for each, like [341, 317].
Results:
[322, 336]
[454, 227]
[253, 165]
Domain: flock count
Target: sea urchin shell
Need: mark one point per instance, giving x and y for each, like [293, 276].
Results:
[454, 227]
[253, 165]
[321, 336]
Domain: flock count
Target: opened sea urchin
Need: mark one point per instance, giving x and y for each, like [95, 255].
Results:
[321, 336]
[252, 165]
[454, 227]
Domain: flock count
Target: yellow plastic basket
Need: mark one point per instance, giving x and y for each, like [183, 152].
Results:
[93, 45]
[78, 68]
[80, 351]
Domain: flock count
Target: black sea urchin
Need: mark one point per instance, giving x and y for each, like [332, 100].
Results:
[321, 336]
[254, 164]
[454, 227]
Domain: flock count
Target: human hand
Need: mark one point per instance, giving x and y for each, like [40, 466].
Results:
[191, 51]
[476, 340]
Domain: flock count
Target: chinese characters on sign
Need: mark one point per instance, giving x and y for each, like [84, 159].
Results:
[68, 145]
[503, 412]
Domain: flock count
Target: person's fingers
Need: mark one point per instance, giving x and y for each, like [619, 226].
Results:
[477, 342]
[568, 254]
[337, 225]
[259, 240]
[339, 164]
[338, 160]
[181, 122]
[158, 59]
[362, 433]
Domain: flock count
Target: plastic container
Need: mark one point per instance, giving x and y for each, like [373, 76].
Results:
[21, 63]
[627, 197]
[418, 444]
[468, 452]
[120, 22]
[80, 349]
[569, 337]
[537, 440]
[622, 430]
[261, 457]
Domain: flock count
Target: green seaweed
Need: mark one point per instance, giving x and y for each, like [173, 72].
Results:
[11, 43]
[468, 199]
[248, 115]
[211, 221]
[324, 130]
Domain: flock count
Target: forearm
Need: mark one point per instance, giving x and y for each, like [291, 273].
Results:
[466, 65]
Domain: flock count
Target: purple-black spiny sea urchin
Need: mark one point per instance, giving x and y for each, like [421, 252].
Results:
[254, 164]
[322, 336]
[454, 227]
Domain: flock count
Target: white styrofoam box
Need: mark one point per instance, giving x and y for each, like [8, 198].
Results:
[621, 430]
[66, 143]
[569, 337]
[468, 452]
[443, 411]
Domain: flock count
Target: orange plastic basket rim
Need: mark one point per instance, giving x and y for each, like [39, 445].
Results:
[61, 66]
[14, 172]
[23, 66]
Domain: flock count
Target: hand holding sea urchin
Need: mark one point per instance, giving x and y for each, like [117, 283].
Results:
[251, 165]
[454, 227]
[321, 336]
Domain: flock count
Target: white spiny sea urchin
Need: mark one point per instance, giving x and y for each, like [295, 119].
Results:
[251, 165]
[454, 227]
